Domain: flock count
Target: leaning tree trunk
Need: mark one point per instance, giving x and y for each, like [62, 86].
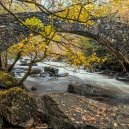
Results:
[16, 59]
[27, 73]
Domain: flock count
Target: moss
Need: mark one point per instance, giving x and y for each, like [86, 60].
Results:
[9, 83]
[4, 75]
[12, 90]
[7, 80]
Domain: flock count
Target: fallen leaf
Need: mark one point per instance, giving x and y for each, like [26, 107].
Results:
[112, 114]
[115, 124]
[127, 124]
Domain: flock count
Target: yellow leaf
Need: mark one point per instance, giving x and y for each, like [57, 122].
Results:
[112, 114]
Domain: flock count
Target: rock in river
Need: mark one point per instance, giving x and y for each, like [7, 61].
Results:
[51, 70]
[89, 90]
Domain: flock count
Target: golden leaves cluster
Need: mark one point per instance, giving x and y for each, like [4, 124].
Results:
[84, 12]
[79, 59]
[29, 46]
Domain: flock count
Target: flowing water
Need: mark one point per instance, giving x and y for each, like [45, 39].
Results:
[48, 84]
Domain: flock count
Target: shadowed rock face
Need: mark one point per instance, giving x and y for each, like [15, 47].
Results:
[16, 106]
[70, 111]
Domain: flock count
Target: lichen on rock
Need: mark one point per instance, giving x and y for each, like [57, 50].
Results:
[16, 106]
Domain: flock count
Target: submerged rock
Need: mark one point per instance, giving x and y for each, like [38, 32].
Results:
[16, 106]
[70, 111]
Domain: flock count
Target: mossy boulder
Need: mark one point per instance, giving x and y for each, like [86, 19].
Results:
[16, 106]
[7, 81]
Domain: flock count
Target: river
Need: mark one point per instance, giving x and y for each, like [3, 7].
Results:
[46, 85]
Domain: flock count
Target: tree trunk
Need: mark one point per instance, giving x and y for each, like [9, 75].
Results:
[27, 73]
[16, 59]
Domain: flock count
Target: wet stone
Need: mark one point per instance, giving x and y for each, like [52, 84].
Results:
[33, 88]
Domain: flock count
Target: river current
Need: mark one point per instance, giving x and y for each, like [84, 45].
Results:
[46, 85]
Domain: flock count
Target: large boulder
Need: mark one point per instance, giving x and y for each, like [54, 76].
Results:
[17, 107]
[70, 111]
[7, 81]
